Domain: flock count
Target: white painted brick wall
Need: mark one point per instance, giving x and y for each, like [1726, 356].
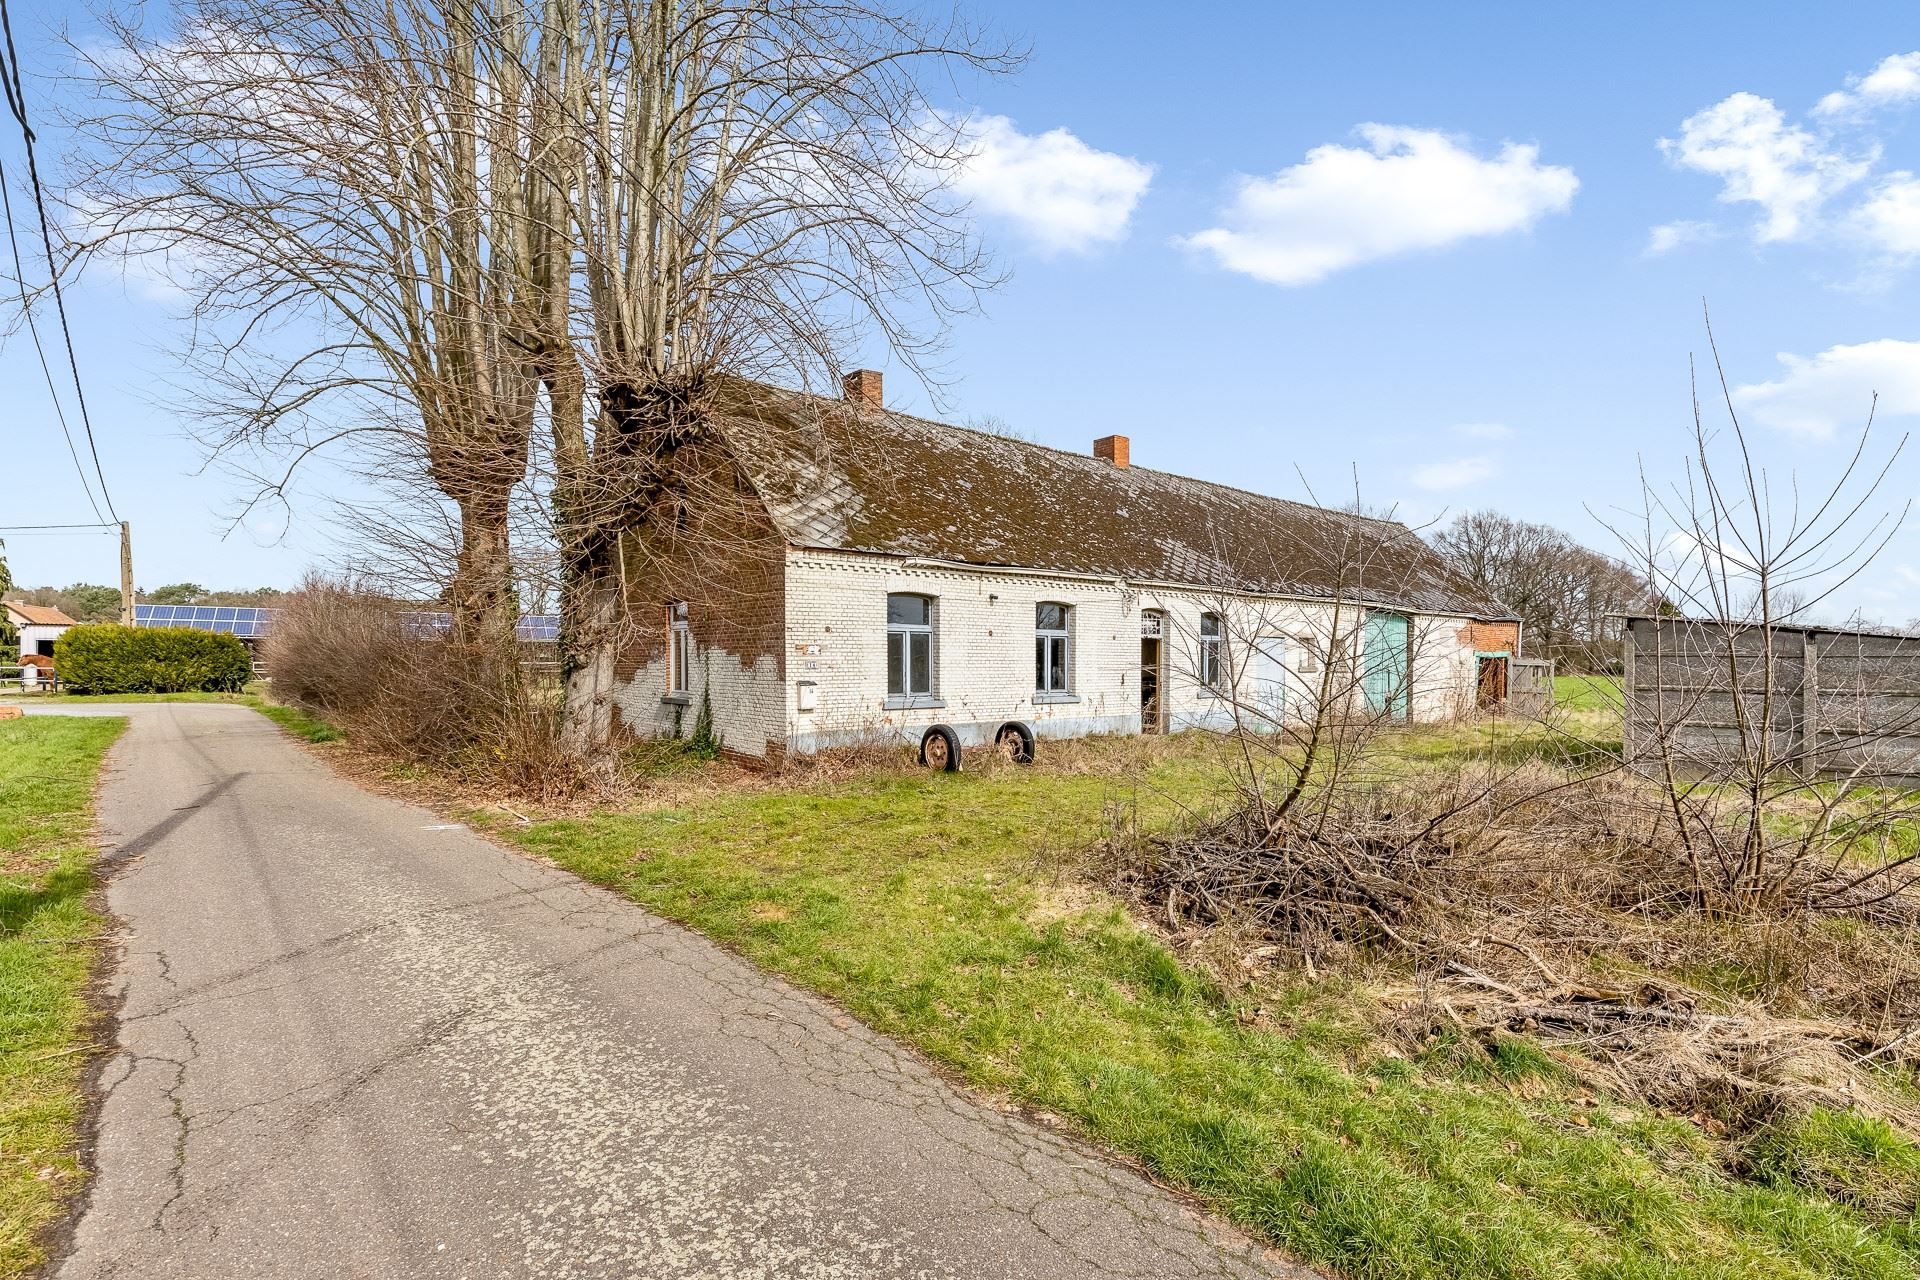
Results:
[748, 699]
[983, 647]
[984, 651]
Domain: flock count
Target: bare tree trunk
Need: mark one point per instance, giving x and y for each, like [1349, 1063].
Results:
[481, 596]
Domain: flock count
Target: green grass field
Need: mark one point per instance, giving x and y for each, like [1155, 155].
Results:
[939, 910]
[48, 946]
[1587, 693]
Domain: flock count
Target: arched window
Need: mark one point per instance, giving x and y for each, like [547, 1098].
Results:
[909, 646]
[1210, 671]
[1051, 631]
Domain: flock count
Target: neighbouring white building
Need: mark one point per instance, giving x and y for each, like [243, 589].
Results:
[38, 627]
[827, 571]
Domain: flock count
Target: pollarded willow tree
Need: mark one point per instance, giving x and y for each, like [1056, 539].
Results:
[762, 187]
[420, 226]
[347, 199]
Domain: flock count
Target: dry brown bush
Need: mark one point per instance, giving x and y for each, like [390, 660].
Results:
[400, 687]
[1485, 901]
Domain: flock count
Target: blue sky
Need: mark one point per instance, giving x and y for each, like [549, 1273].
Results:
[1219, 259]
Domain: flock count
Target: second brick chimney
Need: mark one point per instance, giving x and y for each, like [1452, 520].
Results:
[862, 387]
[1111, 449]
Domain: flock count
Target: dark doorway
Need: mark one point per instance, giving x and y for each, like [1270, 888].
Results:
[1149, 685]
[1493, 683]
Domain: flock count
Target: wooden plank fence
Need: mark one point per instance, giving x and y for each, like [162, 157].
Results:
[1530, 686]
[1719, 698]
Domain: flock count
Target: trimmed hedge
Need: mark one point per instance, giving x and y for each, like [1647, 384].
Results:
[109, 658]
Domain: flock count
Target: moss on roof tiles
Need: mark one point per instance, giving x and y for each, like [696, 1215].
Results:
[842, 478]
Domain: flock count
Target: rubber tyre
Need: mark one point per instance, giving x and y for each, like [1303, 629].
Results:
[940, 749]
[1015, 741]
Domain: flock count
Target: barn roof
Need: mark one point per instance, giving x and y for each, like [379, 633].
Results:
[39, 615]
[872, 480]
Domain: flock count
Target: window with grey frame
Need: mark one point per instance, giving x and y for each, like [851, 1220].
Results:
[679, 650]
[1210, 636]
[1052, 624]
[909, 646]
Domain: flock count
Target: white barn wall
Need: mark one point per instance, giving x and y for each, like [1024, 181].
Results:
[983, 652]
[1445, 671]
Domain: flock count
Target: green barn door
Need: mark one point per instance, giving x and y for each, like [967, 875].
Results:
[1387, 654]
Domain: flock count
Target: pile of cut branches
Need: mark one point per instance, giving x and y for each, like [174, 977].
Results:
[1485, 904]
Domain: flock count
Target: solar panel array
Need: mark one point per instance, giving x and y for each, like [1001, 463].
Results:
[248, 624]
[541, 628]
[252, 624]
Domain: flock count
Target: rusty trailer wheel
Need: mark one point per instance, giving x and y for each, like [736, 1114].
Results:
[1015, 741]
[940, 749]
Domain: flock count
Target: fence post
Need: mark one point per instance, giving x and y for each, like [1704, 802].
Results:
[1809, 706]
[1626, 692]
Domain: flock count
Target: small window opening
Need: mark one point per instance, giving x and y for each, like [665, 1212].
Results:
[1050, 633]
[679, 649]
[909, 646]
[1210, 674]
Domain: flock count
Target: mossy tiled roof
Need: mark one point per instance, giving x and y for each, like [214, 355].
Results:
[857, 479]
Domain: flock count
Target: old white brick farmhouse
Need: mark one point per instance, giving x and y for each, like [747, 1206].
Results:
[824, 571]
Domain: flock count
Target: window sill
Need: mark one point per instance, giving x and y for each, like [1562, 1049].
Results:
[1044, 698]
[914, 702]
[1208, 691]
[677, 699]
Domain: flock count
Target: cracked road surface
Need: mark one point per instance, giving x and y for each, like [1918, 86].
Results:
[354, 1042]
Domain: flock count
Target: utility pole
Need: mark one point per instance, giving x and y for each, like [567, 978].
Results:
[126, 574]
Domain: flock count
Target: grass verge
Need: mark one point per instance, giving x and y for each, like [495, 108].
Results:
[295, 721]
[292, 719]
[939, 909]
[77, 699]
[47, 951]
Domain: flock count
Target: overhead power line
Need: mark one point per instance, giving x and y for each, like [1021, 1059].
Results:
[33, 330]
[17, 104]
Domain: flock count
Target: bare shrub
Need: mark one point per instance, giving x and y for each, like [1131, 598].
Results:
[400, 686]
[1484, 902]
[1772, 811]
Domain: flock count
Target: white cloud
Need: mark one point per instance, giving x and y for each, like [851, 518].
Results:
[1455, 474]
[1896, 80]
[1816, 395]
[1062, 194]
[1669, 236]
[1890, 217]
[1406, 190]
[1747, 143]
[1484, 430]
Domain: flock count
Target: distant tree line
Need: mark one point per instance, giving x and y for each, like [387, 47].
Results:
[1569, 598]
[93, 602]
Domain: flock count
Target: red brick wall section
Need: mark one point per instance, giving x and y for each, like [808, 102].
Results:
[1491, 637]
[709, 543]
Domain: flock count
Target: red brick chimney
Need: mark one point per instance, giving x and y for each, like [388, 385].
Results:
[1111, 449]
[862, 386]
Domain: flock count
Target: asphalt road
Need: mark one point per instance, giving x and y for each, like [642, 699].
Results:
[355, 1042]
